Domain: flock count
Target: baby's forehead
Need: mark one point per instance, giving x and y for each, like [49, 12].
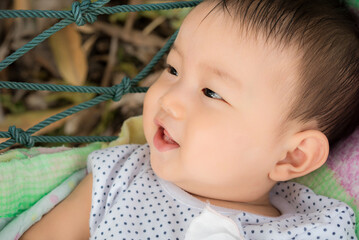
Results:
[214, 39]
[208, 14]
[281, 22]
[231, 18]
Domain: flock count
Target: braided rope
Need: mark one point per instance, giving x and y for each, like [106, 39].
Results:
[66, 88]
[79, 9]
[81, 13]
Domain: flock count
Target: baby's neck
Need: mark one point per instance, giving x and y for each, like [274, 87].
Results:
[263, 207]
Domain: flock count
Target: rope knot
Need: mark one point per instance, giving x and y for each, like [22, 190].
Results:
[20, 136]
[82, 12]
[121, 89]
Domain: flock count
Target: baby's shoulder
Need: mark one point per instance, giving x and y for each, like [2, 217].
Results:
[321, 214]
[120, 150]
[122, 156]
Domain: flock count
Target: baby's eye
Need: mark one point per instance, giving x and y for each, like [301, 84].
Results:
[209, 93]
[171, 70]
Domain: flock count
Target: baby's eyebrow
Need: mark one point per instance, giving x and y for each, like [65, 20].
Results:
[176, 49]
[210, 68]
[220, 73]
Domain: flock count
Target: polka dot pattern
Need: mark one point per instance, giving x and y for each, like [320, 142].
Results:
[130, 202]
[305, 215]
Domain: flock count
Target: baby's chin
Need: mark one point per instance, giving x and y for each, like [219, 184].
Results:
[159, 170]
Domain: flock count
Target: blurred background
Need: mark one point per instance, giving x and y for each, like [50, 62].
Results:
[98, 54]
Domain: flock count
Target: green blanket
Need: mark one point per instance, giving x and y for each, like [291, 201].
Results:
[26, 175]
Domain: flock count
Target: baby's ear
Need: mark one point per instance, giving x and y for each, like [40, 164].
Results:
[307, 151]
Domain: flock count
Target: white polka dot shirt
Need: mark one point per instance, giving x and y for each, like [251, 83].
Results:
[130, 202]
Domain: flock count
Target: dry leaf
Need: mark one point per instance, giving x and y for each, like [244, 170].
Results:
[21, 4]
[69, 55]
[50, 5]
[28, 119]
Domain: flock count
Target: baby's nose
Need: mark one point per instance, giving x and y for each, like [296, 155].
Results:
[173, 103]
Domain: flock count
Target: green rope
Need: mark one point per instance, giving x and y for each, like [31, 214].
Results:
[66, 88]
[18, 135]
[33, 43]
[81, 10]
[80, 14]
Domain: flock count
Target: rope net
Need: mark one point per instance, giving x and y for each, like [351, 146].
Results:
[80, 13]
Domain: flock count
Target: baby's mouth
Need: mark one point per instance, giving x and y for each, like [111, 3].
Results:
[163, 140]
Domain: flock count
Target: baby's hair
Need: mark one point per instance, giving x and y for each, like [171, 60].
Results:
[326, 36]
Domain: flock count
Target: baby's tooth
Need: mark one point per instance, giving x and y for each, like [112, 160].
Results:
[167, 139]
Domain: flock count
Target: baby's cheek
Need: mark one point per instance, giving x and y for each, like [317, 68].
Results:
[149, 109]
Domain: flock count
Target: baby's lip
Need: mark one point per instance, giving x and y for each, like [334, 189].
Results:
[159, 124]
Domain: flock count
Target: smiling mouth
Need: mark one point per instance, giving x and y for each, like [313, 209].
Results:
[163, 140]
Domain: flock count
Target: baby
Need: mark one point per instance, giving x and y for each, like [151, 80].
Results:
[253, 95]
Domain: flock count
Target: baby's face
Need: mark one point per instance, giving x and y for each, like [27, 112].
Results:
[213, 118]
